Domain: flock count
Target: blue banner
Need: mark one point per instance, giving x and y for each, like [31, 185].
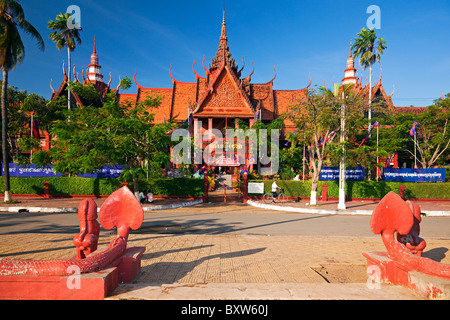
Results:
[16, 170]
[332, 174]
[105, 172]
[413, 175]
[31, 170]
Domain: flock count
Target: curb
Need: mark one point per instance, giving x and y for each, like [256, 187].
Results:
[346, 212]
[75, 210]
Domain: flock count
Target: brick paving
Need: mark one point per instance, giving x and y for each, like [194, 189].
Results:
[226, 259]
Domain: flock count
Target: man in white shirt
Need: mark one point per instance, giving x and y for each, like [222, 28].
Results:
[274, 188]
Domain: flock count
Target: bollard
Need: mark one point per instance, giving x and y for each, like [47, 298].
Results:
[205, 187]
[46, 189]
[324, 192]
[245, 189]
[402, 192]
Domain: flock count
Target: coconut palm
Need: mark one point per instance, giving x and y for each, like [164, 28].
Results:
[369, 49]
[12, 51]
[64, 36]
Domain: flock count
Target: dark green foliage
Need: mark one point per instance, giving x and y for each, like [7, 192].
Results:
[363, 189]
[103, 186]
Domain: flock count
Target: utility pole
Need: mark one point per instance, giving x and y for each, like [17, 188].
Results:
[341, 204]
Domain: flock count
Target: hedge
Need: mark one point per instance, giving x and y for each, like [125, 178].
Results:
[174, 187]
[363, 189]
[102, 186]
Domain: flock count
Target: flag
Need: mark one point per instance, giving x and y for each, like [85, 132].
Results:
[376, 124]
[188, 121]
[329, 136]
[34, 128]
[389, 159]
[412, 132]
[244, 170]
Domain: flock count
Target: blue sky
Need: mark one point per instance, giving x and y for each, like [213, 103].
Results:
[295, 37]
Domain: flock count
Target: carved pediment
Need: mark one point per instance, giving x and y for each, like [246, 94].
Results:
[225, 97]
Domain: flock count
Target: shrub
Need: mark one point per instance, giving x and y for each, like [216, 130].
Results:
[102, 186]
[363, 189]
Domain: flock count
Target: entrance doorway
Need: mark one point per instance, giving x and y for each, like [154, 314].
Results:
[223, 191]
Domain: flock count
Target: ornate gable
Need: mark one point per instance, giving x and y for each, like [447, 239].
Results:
[224, 97]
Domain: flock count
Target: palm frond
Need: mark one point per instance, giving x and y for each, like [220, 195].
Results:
[29, 29]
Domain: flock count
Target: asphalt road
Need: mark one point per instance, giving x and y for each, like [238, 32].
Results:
[217, 219]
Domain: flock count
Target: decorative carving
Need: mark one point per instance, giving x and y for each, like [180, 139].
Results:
[394, 216]
[121, 210]
[86, 240]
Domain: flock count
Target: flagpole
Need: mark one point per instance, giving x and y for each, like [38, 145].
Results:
[304, 161]
[377, 155]
[415, 157]
[31, 154]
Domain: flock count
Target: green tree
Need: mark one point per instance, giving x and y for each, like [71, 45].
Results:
[369, 48]
[12, 51]
[44, 113]
[433, 134]
[315, 117]
[64, 36]
[113, 134]
[318, 117]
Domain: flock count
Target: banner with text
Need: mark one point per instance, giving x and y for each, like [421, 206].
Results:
[31, 170]
[332, 174]
[413, 175]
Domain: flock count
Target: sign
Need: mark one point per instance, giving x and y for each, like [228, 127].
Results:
[31, 170]
[223, 161]
[16, 170]
[332, 174]
[105, 172]
[256, 187]
[413, 175]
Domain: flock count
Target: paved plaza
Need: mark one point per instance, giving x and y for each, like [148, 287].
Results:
[231, 251]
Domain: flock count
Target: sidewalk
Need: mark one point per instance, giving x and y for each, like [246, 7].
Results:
[244, 266]
[57, 205]
[357, 207]
[192, 267]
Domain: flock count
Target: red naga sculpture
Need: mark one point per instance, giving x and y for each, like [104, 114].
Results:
[86, 240]
[120, 210]
[398, 223]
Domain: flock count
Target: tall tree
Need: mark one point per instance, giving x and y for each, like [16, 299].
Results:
[369, 48]
[12, 51]
[113, 134]
[433, 134]
[64, 36]
[316, 116]
[319, 117]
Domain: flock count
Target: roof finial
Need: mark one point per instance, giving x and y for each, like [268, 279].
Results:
[94, 45]
[224, 27]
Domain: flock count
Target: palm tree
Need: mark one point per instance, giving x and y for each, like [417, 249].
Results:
[369, 48]
[64, 36]
[12, 51]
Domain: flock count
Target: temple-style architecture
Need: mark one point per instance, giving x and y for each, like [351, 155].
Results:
[222, 95]
[378, 92]
[93, 75]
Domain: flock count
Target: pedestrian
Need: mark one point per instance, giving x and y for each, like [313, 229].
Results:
[274, 188]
